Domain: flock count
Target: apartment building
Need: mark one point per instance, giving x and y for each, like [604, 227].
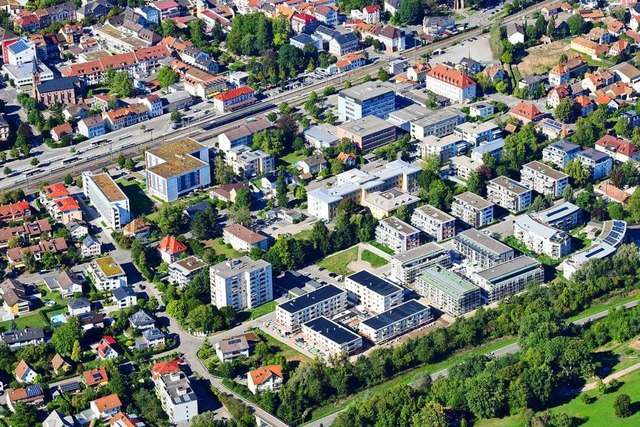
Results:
[397, 235]
[232, 348]
[449, 292]
[247, 163]
[368, 132]
[543, 179]
[177, 168]
[244, 239]
[436, 224]
[241, 283]
[443, 147]
[462, 166]
[596, 162]
[439, 123]
[493, 148]
[481, 249]
[509, 194]
[564, 217]
[560, 153]
[181, 272]
[108, 199]
[331, 337]
[372, 292]
[620, 149]
[541, 238]
[59, 203]
[508, 278]
[405, 267]
[472, 209]
[107, 274]
[383, 204]
[451, 83]
[395, 322]
[370, 98]
[476, 133]
[177, 397]
[243, 134]
[326, 301]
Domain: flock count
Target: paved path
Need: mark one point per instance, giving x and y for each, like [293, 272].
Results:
[611, 377]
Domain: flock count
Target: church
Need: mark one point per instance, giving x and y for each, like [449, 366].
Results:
[61, 90]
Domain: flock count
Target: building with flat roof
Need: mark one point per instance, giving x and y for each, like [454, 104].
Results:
[462, 166]
[481, 249]
[403, 117]
[472, 209]
[438, 123]
[476, 133]
[508, 278]
[177, 168]
[397, 235]
[509, 194]
[368, 132]
[370, 98]
[493, 148]
[181, 272]
[598, 163]
[541, 238]
[444, 147]
[405, 267]
[612, 235]
[331, 337]
[436, 224]
[383, 204]
[560, 153]
[177, 397]
[373, 292]
[241, 283]
[325, 301]
[107, 274]
[395, 322]
[448, 291]
[108, 199]
[543, 179]
[565, 216]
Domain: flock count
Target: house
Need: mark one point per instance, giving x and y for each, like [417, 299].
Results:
[418, 72]
[349, 160]
[312, 165]
[392, 38]
[526, 112]
[620, 149]
[15, 212]
[588, 47]
[141, 320]
[56, 419]
[78, 306]
[531, 82]
[560, 153]
[77, 229]
[231, 348]
[106, 348]
[59, 365]
[95, 377]
[266, 378]
[106, 407]
[437, 25]
[137, 228]
[470, 66]
[24, 373]
[61, 130]
[304, 23]
[552, 129]
[55, 246]
[227, 192]
[29, 395]
[21, 338]
[599, 35]
[170, 249]
[15, 297]
[183, 271]
[243, 239]
[611, 193]
[350, 61]
[90, 247]
[597, 162]
[125, 297]
[371, 15]
[92, 320]
[125, 420]
[342, 44]
[234, 99]
[107, 274]
[515, 33]
[557, 94]
[151, 338]
[326, 14]
[585, 104]
[67, 284]
[495, 72]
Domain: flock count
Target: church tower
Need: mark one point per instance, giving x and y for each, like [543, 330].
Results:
[35, 78]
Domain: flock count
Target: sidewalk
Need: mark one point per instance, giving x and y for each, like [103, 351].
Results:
[608, 379]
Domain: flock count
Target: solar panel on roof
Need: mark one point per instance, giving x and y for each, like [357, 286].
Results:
[33, 390]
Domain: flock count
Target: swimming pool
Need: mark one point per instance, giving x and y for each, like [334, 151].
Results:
[58, 319]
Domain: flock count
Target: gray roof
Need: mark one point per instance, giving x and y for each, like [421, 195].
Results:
[23, 335]
[331, 330]
[89, 241]
[374, 283]
[474, 200]
[61, 83]
[527, 223]
[566, 146]
[76, 304]
[481, 241]
[141, 318]
[513, 267]
[555, 213]
[593, 154]
[419, 252]
[510, 184]
[314, 297]
[396, 314]
[320, 134]
[153, 334]
[123, 292]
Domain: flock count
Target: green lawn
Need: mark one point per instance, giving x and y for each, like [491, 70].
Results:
[596, 414]
[222, 249]
[383, 248]
[33, 320]
[292, 158]
[281, 348]
[262, 310]
[373, 259]
[140, 203]
[613, 302]
[303, 235]
[338, 263]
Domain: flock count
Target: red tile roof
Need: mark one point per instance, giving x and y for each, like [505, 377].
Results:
[109, 402]
[14, 210]
[171, 245]
[624, 147]
[62, 129]
[260, 375]
[526, 110]
[451, 75]
[243, 233]
[372, 8]
[94, 377]
[67, 204]
[166, 367]
[234, 93]
[55, 191]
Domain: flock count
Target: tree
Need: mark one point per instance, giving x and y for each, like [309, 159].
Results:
[475, 183]
[551, 26]
[622, 406]
[622, 128]
[176, 116]
[29, 261]
[409, 12]
[166, 76]
[567, 110]
[66, 335]
[576, 171]
[222, 172]
[431, 415]
[204, 224]
[23, 416]
[206, 350]
[383, 75]
[576, 25]
[7, 170]
[68, 179]
[270, 141]
[34, 162]
[282, 193]
[121, 160]
[170, 219]
[121, 84]
[76, 352]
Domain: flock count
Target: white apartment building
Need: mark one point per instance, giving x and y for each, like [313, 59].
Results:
[177, 168]
[372, 292]
[508, 278]
[241, 283]
[247, 163]
[397, 235]
[177, 397]
[439, 123]
[435, 223]
[462, 166]
[448, 291]
[326, 301]
[107, 274]
[509, 194]
[371, 98]
[565, 216]
[444, 147]
[482, 250]
[451, 83]
[383, 204]
[541, 238]
[181, 272]
[543, 179]
[476, 133]
[405, 267]
[472, 209]
[331, 337]
[108, 199]
[560, 153]
[395, 322]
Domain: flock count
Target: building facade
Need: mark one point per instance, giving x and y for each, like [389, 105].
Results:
[543, 179]
[241, 283]
[436, 224]
[326, 301]
[405, 267]
[472, 209]
[449, 292]
[108, 199]
[396, 321]
[481, 249]
[397, 235]
[509, 194]
[508, 278]
[372, 292]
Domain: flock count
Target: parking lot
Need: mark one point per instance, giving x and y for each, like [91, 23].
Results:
[476, 48]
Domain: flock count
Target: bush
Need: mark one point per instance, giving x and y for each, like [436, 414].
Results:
[622, 406]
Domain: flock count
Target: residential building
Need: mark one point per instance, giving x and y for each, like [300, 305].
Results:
[493, 149]
[228, 192]
[141, 320]
[67, 284]
[350, 61]
[341, 44]
[326, 301]
[481, 249]
[59, 365]
[439, 123]
[436, 224]
[243, 239]
[372, 292]
[611, 193]
[151, 338]
[541, 238]
[243, 134]
[543, 179]
[472, 209]
[515, 33]
[565, 216]
[330, 337]
[55, 246]
[234, 99]
[177, 168]
[265, 378]
[462, 166]
[24, 232]
[24, 337]
[124, 420]
[449, 82]
[405, 267]
[560, 153]
[566, 70]
[620, 149]
[312, 165]
[508, 278]
[396, 321]
[449, 292]
[79, 306]
[598, 164]
[90, 247]
[232, 348]
[177, 397]
[397, 235]
[367, 99]
[526, 112]
[29, 395]
[443, 147]
[106, 407]
[170, 249]
[241, 283]
[368, 132]
[320, 136]
[15, 297]
[24, 373]
[62, 207]
[476, 133]
[108, 199]
[15, 212]
[438, 25]
[107, 274]
[181, 272]
[509, 194]
[124, 297]
[91, 127]
[137, 228]
[383, 204]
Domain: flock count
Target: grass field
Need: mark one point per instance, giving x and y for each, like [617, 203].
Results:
[141, 204]
[281, 348]
[373, 259]
[33, 320]
[262, 310]
[542, 58]
[221, 249]
[292, 158]
[596, 414]
[338, 263]
[383, 248]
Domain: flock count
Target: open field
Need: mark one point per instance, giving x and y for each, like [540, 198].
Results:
[338, 263]
[541, 59]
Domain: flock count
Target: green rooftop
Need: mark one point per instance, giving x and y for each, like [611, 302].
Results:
[109, 266]
[446, 281]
